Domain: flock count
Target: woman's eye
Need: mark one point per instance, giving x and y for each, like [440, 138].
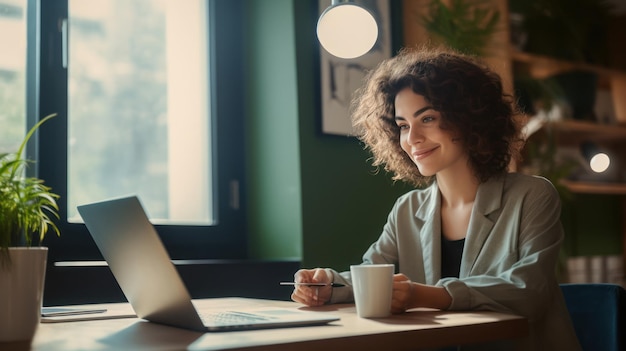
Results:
[427, 119]
[402, 126]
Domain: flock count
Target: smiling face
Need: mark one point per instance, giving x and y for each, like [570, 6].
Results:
[435, 151]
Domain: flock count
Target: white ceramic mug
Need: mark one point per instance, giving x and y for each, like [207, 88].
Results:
[372, 285]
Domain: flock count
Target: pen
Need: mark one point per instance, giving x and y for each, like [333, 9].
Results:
[337, 285]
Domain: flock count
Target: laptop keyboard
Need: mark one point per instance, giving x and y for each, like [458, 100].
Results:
[230, 318]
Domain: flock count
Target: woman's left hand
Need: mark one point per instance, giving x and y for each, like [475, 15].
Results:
[402, 296]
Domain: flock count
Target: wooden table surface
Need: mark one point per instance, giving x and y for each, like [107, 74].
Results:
[418, 328]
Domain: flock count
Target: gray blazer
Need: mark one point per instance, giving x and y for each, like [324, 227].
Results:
[509, 259]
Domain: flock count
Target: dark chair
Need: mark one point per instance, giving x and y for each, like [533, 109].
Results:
[597, 311]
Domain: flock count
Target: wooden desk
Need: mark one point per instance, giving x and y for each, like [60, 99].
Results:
[415, 329]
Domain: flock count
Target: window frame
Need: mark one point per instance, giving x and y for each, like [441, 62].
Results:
[48, 94]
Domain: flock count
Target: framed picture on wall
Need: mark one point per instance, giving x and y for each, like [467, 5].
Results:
[340, 78]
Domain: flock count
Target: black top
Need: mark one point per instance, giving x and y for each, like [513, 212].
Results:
[451, 252]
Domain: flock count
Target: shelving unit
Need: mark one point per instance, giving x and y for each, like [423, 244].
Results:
[541, 67]
[595, 187]
[574, 132]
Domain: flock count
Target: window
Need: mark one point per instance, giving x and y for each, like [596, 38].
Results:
[146, 105]
[138, 106]
[12, 74]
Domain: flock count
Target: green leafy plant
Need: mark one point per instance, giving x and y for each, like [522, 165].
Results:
[27, 206]
[464, 25]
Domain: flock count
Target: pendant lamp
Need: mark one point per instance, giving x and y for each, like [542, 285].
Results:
[347, 30]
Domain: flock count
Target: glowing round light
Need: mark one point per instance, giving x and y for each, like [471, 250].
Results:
[347, 30]
[600, 162]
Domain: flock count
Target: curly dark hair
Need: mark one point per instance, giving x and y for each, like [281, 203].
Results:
[468, 95]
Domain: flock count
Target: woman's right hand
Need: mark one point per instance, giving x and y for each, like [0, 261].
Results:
[312, 295]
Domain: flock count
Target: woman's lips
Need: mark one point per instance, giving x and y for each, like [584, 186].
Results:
[423, 153]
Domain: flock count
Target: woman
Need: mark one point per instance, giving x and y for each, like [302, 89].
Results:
[472, 236]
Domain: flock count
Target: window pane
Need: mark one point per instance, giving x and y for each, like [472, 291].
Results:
[12, 74]
[138, 106]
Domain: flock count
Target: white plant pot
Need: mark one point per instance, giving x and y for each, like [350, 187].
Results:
[21, 293]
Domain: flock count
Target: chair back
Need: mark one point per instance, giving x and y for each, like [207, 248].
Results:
[597, 312]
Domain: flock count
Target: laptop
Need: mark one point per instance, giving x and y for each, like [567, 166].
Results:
[144, 271]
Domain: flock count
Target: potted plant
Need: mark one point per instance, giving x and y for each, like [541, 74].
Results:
[27, 207]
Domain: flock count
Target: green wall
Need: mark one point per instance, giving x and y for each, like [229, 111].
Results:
[271, 132]
[311, 196]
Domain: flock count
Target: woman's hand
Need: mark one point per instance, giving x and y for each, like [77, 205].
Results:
[408, 294]
[312, 295]
[402, 296]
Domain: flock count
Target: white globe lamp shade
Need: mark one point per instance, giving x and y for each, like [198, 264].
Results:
[600, 162]
[347, 30]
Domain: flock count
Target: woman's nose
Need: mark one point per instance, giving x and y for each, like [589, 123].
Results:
[415, 135]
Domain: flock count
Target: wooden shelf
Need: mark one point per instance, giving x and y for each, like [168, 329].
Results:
[572, 131]
[595, 188]
[544, 66]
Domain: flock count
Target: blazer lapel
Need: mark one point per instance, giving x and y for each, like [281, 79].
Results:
[429, 213]
[488, 199]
